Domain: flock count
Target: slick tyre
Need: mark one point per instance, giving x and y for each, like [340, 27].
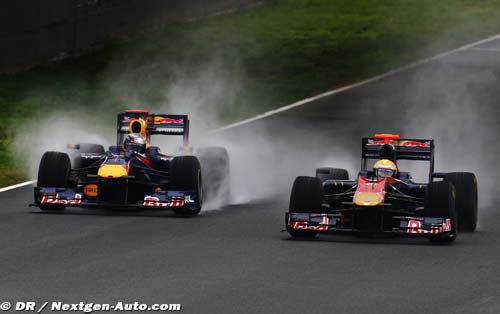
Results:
[466, 200]
[185, 175]
[331, 174]
[53, 171]
[215, 172]
[440, 203]
[305, 198]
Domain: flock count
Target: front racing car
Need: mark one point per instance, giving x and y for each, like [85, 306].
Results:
[392, 205]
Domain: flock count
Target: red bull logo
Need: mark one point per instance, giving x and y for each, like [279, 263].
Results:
[303, 225]
[415, 226]
[401, 143]
[164, 120]
[50, 199]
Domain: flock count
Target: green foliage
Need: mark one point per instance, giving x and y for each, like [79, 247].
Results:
[267, 56]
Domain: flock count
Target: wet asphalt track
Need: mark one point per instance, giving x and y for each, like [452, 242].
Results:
[236, 260]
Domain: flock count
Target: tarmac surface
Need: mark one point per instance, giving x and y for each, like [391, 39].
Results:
[237, 260]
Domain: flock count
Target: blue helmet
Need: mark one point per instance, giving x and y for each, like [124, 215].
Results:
[134, 142]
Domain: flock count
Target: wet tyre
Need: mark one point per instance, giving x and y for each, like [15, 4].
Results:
[53, 171]
[305, 198]
[185, 175]
[466, 200]
[440, 203]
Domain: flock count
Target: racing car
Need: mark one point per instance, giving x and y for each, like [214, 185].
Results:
[133, 173]
[384, 200]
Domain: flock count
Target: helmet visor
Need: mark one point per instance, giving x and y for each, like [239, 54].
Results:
[383, 173]
[136, 147]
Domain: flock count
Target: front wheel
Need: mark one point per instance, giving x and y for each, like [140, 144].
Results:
[466, 201]
[185, 175]
[440, 203]
[53, 171]
[305, 198]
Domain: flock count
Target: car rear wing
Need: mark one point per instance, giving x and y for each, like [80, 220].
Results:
[410, 149]
[403, 149]
[147, 124]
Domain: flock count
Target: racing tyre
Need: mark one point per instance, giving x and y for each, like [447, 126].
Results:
[331, 174]
[215, 172]
[53, 171]
[305, 198]
[185, 175]
[466, 201]
[440, 203]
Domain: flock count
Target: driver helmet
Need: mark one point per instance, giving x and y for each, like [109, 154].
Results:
[134, 142]
[385, 168]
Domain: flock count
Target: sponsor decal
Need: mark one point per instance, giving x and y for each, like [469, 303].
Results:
[403, 143]
[152, 201]
[415, 227]
[165, 120]
[91, 190]
[415, 144]
[170, 130]
[53, 199]
[303, 225]
[188, 199]
[90, 155]
[381, 142]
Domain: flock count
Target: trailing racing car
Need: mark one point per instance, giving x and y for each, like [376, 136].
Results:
[384, 200]
[133, 173]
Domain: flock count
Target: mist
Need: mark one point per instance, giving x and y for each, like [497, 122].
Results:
[454, 104]
[461, 114]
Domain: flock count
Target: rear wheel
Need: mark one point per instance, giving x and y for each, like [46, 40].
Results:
[53, 171]
[305, 198]
[185, 175]
[331, 174]
[466, 201]
[440, 203]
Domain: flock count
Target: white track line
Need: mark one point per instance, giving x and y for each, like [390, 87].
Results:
[15, 186]
[329, 93]
[342, 89]
[486, 49]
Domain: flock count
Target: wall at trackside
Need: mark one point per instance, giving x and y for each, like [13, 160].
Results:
[33, 31]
